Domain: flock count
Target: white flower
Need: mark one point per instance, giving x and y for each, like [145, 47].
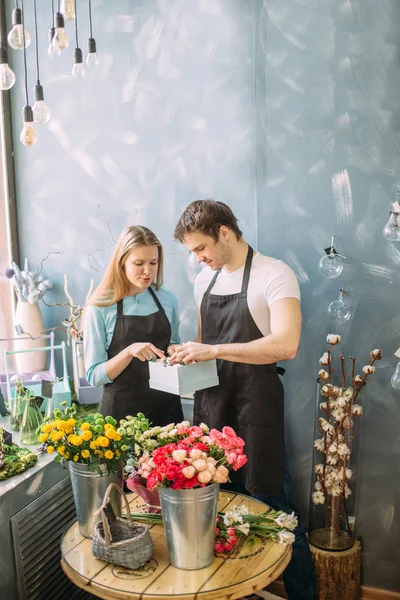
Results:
[323, 374]
[335, 490]
[286, 537]
[348, 394]
[338, 415]
[173, 432]
[188, 472]
[331, 459]
[368, 369]
[377, 354]
[235, 515]
[319, 445]
[200, 464]
[287, 521]
[325, 359]
[318, 486]
[349, 473]
[319, 469]
[322, 405]
[333, 339]
[343, 449]
[183, 424]
[318, 498]
[205, 476]
[347, 423]
[356, 409]
[205, 428]
[358, 379]
[347, 491]
[179, 455]
[244, 528]
[332, 449]
[163, 435]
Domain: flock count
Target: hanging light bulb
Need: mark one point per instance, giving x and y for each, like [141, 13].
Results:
[16, 37]
[91, 59]
[339, 311]
[41, 112]
[78, 70]
[391, 231]
[68, 9]
[395, 380]
[331, 265]
[7, 76]
[60, 39]
[28, 135]
[52, 50]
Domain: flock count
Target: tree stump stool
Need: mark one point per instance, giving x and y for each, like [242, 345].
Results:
[338, 574]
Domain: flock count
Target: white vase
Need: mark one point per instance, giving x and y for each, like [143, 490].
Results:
[30, 318]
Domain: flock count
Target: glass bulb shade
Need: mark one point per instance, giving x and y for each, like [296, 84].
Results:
[28, 135]
[339, 311]
[7, 77]
[52, 50]
[78, 71]
[41, 112]
[68, 9]
[395, 380]
[391, 231]
[60, 39]
[330, 266]
[16, 37]
[92, 60]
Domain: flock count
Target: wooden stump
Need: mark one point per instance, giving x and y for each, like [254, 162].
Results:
[338, 574]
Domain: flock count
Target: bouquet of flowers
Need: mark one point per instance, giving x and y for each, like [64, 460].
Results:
[92, 440]
[182, 456]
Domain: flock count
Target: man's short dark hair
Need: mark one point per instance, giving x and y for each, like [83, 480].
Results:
[206, 216]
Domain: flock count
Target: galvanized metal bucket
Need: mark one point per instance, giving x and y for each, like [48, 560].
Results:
[190, 520]
[89, 488]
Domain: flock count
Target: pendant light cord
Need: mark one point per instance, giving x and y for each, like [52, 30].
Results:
[36, 42]
[76, 25]
[25, 67]
[90, 19]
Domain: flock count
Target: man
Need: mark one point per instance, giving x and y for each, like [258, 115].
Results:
[249, 319]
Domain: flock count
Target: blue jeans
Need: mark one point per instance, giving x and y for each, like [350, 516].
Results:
[298, 576]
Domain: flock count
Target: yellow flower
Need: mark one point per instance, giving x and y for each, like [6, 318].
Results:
[99, 453]
[111, 433]
[76, 457]
[117, 437]
[57, 435]
[68, 430]
[43, 437]
[85, 453]
[93, 445]
[61, 450]
[70, 438]
[87, 435]
[108, 426]
[77, 440]
[50, 449]
[85, 426]
[103, 441]
[118, 453]
[71, 422]
[47, 427]
[67, 455]
[109, 454]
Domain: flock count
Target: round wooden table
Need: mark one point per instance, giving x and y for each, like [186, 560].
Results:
[246, 570]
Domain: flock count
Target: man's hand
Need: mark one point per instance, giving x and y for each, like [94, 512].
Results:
[171, 349]
[194, 352]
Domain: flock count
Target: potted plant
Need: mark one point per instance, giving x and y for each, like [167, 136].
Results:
[95, 453]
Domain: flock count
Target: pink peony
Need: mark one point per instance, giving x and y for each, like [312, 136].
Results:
[189, 471]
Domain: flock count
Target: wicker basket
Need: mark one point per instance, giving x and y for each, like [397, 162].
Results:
[120, 541]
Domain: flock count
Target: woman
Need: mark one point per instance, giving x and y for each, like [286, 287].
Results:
[131, 318]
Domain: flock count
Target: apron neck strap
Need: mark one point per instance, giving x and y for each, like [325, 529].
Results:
[156, 300]
[120, 308]
[247, 269]
[208, 290]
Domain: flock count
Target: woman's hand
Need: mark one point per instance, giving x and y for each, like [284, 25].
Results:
[145, 351]
[171, 349]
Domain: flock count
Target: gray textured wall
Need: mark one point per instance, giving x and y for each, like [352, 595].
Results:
[328, 100]
[285, 110]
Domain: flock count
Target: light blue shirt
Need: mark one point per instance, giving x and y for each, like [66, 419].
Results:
[100, 322]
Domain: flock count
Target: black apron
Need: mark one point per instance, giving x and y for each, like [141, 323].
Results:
[130, 393]
[249, 398]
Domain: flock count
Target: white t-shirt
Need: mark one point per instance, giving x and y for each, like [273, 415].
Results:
[270, 280]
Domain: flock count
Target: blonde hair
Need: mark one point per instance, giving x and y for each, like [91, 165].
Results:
[114, 286]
